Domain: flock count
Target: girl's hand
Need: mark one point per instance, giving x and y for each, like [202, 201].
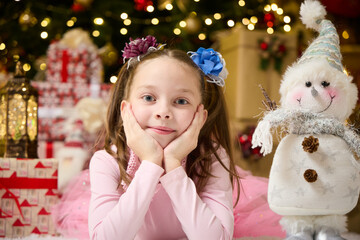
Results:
[180, 147]
[143, 145]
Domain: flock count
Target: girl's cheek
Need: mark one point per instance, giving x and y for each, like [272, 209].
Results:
[139, 114]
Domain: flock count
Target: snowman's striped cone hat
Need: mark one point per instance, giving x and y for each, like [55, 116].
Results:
[326, 45]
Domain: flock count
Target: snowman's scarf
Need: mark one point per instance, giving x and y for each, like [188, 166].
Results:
[301, 122]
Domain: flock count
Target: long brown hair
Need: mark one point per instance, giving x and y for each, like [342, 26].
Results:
[213, 135]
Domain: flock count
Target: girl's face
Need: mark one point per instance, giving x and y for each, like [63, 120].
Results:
[164, 95]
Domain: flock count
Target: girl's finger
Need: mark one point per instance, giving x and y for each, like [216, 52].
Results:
[197, 122]
[131, 126]
[132, 120]
[202, 113]
[124, 114]
[205, 114]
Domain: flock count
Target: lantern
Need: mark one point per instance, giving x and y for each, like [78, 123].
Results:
[18, 117]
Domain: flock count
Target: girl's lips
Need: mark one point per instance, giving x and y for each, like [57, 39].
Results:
[162, 130]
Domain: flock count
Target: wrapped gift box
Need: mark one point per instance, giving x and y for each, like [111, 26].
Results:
[57, 101]
[49, 149]
[66, 95]
[28, 190]
[74, 71]
[81, 64]
[243, 53]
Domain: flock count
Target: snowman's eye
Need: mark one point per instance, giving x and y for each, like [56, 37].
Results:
[325, 84]
[308, 84]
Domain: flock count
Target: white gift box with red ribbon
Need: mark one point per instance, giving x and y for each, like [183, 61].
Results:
[28, 190]
[57, 101]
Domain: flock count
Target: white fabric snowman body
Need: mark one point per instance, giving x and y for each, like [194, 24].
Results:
[320, 183]
[314, 179]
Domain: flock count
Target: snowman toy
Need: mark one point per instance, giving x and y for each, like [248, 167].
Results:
[314, 179]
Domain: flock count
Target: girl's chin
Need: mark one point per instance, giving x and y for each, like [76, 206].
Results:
[163, 140]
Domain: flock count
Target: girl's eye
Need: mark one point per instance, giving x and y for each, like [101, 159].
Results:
[325, 84]
[181, 101]
[308, 84]
[148, 98]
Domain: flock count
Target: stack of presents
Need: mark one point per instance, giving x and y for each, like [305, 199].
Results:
[71, 75]
[29, 187]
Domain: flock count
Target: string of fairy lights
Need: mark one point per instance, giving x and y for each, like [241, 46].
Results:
[208, 20]
[180, 23]
[193, 22]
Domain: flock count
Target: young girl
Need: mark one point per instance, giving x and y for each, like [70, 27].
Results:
[166, 171]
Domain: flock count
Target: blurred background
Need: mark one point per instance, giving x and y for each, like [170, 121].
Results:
[72, 50]
[28, 27]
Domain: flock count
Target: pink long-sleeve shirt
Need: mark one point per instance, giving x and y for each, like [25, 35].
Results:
[157, 205]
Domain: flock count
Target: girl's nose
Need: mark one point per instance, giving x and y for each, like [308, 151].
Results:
[163, 116]
[163, 112]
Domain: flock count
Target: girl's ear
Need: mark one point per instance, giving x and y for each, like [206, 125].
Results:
[205, 117]
[123, 105]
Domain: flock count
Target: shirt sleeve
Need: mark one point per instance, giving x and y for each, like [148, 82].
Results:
[113, 213]
[208, 215]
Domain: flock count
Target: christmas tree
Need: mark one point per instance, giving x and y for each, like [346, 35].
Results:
[27, 27]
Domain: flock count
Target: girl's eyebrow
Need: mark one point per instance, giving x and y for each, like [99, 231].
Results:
[146, 87]
[185, 90]
[152, 87]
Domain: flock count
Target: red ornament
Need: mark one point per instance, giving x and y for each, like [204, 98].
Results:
[282, 48]
[256, 151]
[264, 45]
[244, 140]
[141, 5]
[270, 24]
[77, 7]
[269, 17]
